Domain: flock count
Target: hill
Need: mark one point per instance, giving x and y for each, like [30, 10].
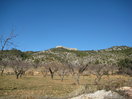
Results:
[109, 55]
[63, 54]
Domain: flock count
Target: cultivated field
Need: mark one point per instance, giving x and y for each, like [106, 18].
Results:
[38, 86]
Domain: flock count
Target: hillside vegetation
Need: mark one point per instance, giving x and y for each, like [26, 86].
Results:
[108, 56]
[113, 56]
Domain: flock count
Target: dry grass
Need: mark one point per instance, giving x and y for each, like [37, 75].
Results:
[44, 86]
[35, 85]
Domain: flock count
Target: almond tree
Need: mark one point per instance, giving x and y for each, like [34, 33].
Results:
[79, 71]
[19, 66]
[36, 63]
[3, 65]
[77, 68]
[44, 70]
[5, 41]
[62, 70]
[98, 69]
[52, 67]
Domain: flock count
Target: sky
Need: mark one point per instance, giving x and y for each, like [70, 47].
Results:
[81, 24]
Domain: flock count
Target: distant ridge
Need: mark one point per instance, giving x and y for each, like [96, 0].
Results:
[117, 48]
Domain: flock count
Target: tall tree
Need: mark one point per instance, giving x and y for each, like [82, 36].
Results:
[5, 41]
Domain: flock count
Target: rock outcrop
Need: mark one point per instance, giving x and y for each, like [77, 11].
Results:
[66, 48]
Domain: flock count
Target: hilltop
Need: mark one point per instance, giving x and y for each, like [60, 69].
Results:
[66, 48]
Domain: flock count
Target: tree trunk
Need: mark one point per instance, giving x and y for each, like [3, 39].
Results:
[52, 73]
[62, 78]
[77, 78]
[97, 81]
[78, 81]
[44, 73]
[17, 76]
[21, 75]
[2, 71]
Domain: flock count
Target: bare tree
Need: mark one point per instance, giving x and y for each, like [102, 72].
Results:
[3, 65]
[71, 68]
[36, 63]
[62, 70]
[19, 66]
[77, 69]
[110, 69]
[44, 71]
[6, 41]
[52, 67]
[98, 69]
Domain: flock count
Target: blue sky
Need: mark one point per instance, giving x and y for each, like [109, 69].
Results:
[81, 24]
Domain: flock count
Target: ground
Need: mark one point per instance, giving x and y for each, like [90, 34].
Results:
[45, 86]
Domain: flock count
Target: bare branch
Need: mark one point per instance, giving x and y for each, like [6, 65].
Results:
[7, 41]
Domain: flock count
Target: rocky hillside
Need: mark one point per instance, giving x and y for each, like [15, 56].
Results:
[110, 55]
[63, 54]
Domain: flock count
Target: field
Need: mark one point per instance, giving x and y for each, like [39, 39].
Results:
[45, 86]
